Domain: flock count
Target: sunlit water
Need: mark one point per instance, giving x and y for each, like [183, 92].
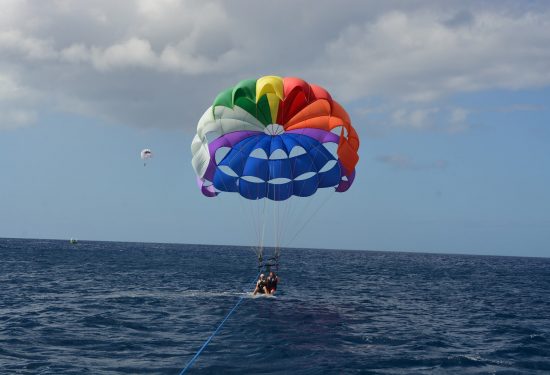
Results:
[131, 308]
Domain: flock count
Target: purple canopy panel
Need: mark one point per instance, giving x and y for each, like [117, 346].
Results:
[345, 185]
[226, 140]
[208, 191]
[318, 134]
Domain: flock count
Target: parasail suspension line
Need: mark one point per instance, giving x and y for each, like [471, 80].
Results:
[311, 217]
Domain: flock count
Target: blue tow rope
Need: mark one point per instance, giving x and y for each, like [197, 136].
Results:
[196, 356]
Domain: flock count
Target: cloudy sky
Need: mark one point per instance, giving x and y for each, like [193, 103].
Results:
[450, 99]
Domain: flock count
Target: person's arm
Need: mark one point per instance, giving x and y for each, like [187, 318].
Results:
[256, 289]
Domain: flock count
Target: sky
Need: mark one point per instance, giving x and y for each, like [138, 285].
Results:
[450, 100]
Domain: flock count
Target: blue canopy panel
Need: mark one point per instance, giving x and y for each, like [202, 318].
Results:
[307, 187]
[252, 190]
[280, 168]
[331, 177]
[277, 144]
[275, 192]
[279, 192]
[320, 156]
[258, 172]
[257, 168]
[225, 182]
[236, 158]
[301, 140]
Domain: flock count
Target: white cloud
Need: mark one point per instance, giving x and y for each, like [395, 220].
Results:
[459, 115]
[458, 120]
[136, 62]
[399, 161]
[16, 118]
[29, 47]
[9, 89]
[159, 9]
[165, 36]
[417, 118]
[396, 161]
[76, 53]
[521, 108]
[417, 56]
[131, 53]
[13, 100]
[139, 53]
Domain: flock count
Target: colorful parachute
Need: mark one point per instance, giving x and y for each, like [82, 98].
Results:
[270, 138]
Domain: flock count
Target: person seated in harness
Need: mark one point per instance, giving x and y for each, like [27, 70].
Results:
[261, 285]
[271, 283]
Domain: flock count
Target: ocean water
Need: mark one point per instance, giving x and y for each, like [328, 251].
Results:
[134, 308]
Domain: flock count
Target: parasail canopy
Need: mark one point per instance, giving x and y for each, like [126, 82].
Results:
[274, 138]
[146, 154]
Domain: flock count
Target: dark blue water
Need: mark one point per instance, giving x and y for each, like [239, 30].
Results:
[131, 308]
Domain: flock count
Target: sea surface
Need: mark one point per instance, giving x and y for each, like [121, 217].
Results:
[137, 308]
